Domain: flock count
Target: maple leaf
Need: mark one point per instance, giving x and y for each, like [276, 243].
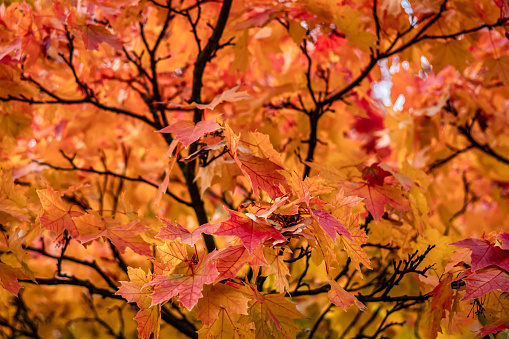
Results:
[441, 301]
[135, 291]
[355, 251]
[497, 67]
[250, 232]
[9, 278]
[485, 254]
[495, 327]
[375, 174]
[339, 297]
[370, 125]
[161, 189]
[277, 267]
[232, 326]
[172, 255]
[273, 315]
[311, 186]
[376, 197]
[230, 95]
[459, 256]
[348, 21]
[173, 231]
[217, 297]
[189, 132]
[92, 227]
[57, 215]
[451, 52]
[332, 226]
[266, 212]
[230, 260]
[405, 181]
[262, 143]
[187, 286]
[296, 31]
[484, 281]
[257, 18]
[164, 184]
[12, 201]
[261, 173]
[92, 34]
[148, 319]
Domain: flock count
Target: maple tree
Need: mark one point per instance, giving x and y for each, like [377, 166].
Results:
[254, 169]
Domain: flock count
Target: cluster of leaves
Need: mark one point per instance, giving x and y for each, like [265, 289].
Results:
[293, 172]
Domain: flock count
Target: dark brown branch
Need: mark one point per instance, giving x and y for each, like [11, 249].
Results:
[15, 332]
[319, 320]
[92, 264]
[445, 160]
[62, 101]
[73, 281]
[199, 68]
[401, 269]
[484, 148]
[377, 25]
[155, 102]
[303, 48]
[183, 325]
[113, 174]
[500, 22]
[420, 298]
[180, 324]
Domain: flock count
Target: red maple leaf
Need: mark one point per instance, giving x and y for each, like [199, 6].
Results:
[484, 281]
[376, 197]
[495, 327]
[339, 297]
[92, 34]
[122, 236]
[251, 232]
[220, 296]
[57, 214]
[485, 254]
[230, 260]
[369, 127]
[9, 278]
[331, 225]
[262, 173]
[441, 301]
[375, 175]
[172, 231]
[187, 286]
[135, 291]
[188, 132]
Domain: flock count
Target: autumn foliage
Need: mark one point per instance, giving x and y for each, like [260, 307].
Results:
[254, 169]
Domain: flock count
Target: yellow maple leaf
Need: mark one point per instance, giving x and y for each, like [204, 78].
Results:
[454, 53]
[497, 67]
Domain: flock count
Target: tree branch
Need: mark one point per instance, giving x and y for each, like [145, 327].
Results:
[113, 174]
[199, 67]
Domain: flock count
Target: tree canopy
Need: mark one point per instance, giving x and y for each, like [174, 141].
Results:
[254, 169]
